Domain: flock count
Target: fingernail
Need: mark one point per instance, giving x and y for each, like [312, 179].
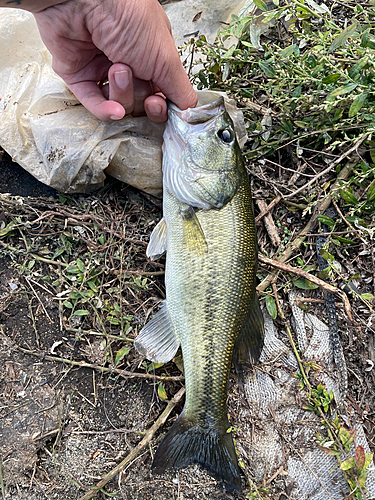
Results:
[113, 117]
[122, 78]
[154, 109]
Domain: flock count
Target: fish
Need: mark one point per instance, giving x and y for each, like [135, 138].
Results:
[211, 308]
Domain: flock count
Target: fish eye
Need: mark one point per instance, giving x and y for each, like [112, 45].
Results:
[226, 135]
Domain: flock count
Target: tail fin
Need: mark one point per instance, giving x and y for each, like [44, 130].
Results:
[211, 447]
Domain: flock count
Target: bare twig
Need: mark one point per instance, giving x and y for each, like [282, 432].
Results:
[147, 439]
[38, 298]
[314, 279]
[83, 364]
[269, 207]
[331, 166]
[269, 224]
[2, 479]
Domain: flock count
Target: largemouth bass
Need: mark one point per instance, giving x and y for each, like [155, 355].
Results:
[211, 307]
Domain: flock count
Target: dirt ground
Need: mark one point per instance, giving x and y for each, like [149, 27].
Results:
[63, 426]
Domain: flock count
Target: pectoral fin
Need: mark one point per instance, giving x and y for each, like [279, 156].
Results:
[249, 343]
[157, 340]
[194, 237]
[158, 241]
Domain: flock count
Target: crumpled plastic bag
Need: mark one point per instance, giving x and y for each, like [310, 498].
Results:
[284, 435]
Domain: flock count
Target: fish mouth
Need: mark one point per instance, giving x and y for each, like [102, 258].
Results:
[208, 104]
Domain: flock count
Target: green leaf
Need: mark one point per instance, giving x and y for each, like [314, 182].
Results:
[348, 196]
[288, 51]
[121, 354]
[261, 5]
[271, 306]
[349, 463]
[320, 9]
[357, 104]
[58, 252]
[93, 287]
[367, 296]
[305, 284]
[153, 366]
[346, 241]
[326, 255]
[80, 265]
[371, 192]
[72, 269]
[81, 312]
[179, 363]
[229, 53]
[68, 304]
[343, 37]
[7, 229]
[368, 40]
[162, 392]
[344, 89]
[327, 221]
[267, 69]
[331, 78]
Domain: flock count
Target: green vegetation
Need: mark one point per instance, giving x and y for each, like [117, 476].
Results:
[304, 75]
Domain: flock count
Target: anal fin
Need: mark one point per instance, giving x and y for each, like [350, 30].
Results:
[157, 340]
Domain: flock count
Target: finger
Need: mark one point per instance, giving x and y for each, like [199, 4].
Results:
[121, 90]
[142, 90]
[91, 96]
[156, 108]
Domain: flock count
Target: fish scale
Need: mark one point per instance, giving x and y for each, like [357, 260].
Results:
[213, 313]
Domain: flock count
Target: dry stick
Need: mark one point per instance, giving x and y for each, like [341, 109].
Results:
[83, 364]
[304, 274]
[79, 332]
[297, 242]
[135, 451]
[323, 172]
[269, 207]
[33, 255]
[2, 479]
[269, 224]
[344, 219]
[38, 298]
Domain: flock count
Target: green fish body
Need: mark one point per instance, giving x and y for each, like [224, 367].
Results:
[211, 306]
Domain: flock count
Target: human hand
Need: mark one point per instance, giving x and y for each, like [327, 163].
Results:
[128, 42]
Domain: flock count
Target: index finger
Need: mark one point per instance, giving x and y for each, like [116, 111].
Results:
[91, 96]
